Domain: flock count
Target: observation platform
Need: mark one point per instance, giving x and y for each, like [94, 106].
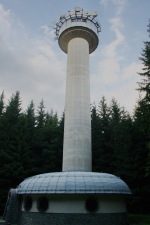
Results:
[77, 23]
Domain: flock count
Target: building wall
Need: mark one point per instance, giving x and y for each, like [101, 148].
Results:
[77, 204]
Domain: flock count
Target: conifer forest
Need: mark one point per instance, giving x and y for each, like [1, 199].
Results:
[31, 141]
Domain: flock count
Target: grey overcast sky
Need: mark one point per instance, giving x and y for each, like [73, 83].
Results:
[31, 61]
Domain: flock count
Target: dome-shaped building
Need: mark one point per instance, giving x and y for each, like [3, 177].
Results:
[73, 197]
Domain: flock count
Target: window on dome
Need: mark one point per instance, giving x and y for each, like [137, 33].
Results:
[92, 205]
[27, 203]
[42, 204]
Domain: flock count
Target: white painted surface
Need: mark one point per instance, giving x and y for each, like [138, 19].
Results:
[77, 131]
[88, 24]
[76, 204]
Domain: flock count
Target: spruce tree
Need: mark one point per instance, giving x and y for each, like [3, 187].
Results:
[142, 113]
[1, 103]
[105, 147]
[96, 139]
[121, 136]
[10, 163]
[141, 137]
[144, 85]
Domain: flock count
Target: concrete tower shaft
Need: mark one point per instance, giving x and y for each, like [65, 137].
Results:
[77, 34]
[77, 131]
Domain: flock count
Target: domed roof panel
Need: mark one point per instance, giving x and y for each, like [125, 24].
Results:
[73, 182]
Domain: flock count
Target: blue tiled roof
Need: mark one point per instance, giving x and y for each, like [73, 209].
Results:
[73, 182]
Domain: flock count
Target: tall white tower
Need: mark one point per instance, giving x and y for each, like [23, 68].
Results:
[75, 196]
[77, 34]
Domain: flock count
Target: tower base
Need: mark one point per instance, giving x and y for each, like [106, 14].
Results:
[28, 218]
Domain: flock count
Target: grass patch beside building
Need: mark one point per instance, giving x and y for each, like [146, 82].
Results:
[139, 219]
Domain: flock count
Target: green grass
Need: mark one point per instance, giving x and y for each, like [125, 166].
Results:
[139, 219]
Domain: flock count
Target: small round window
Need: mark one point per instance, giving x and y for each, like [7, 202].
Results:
[27, 203]
[42, 204]
[92, 205]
